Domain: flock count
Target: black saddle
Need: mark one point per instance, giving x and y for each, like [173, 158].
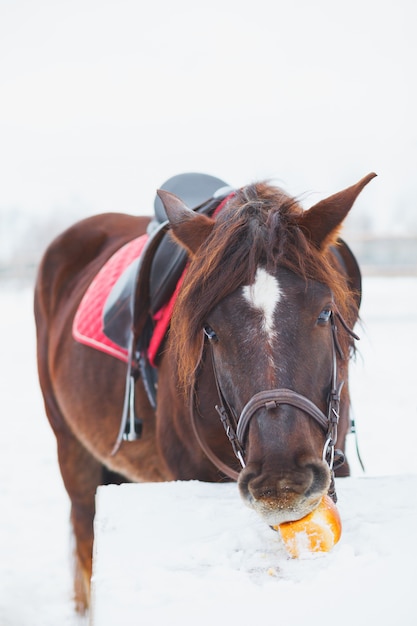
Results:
[200, 192]
[150, 281]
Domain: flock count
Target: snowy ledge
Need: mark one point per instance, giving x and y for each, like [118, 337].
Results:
[192, 553]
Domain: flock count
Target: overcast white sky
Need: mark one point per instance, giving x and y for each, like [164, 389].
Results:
[102, 100]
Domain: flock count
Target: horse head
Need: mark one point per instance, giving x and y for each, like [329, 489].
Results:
[266, 296]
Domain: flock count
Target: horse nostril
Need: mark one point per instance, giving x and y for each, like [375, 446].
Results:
[260, 490]
[320, 478]
[266, 493]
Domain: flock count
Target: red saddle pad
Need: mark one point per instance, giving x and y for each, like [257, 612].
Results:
[88, 325]
[88, 321]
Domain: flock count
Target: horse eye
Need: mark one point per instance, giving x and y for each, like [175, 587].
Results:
[210, 333]
[324, 316]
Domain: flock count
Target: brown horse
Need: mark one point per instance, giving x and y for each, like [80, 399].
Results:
[260, 330]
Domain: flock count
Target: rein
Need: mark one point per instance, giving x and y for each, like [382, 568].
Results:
[237, 428]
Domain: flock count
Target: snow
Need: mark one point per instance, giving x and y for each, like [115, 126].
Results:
[204, 556]
[195, 553]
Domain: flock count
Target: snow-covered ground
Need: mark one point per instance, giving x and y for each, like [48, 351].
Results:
[215, 567]
[193, 553]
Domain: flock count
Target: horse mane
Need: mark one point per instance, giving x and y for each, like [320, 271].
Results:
[258, 226]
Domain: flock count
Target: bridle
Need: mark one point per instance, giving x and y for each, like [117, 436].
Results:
[236, 428]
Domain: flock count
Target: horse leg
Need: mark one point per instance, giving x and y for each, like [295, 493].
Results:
[82, 474]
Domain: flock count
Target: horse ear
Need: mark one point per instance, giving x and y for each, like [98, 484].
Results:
[190, 229]
[322, 221]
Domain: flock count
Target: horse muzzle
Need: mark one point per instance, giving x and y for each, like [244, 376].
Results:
[283, 495]
[282, 487]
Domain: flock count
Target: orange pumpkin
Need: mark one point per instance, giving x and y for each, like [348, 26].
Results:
[318, 531]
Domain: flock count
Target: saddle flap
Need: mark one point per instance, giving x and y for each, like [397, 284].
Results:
[127, 306]
[169, 261]
[118, 309]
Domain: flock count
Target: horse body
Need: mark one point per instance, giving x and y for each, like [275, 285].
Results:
[254, 315]
[80, 392]
[83, 389]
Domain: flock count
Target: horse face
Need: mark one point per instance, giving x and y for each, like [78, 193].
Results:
[271, 334]
[274, 334]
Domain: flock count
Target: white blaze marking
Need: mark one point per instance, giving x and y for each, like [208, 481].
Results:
[264, 294]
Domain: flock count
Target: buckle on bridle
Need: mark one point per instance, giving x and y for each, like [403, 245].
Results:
[328, 452]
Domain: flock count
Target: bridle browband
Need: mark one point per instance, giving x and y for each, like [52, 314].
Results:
[237, 428]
